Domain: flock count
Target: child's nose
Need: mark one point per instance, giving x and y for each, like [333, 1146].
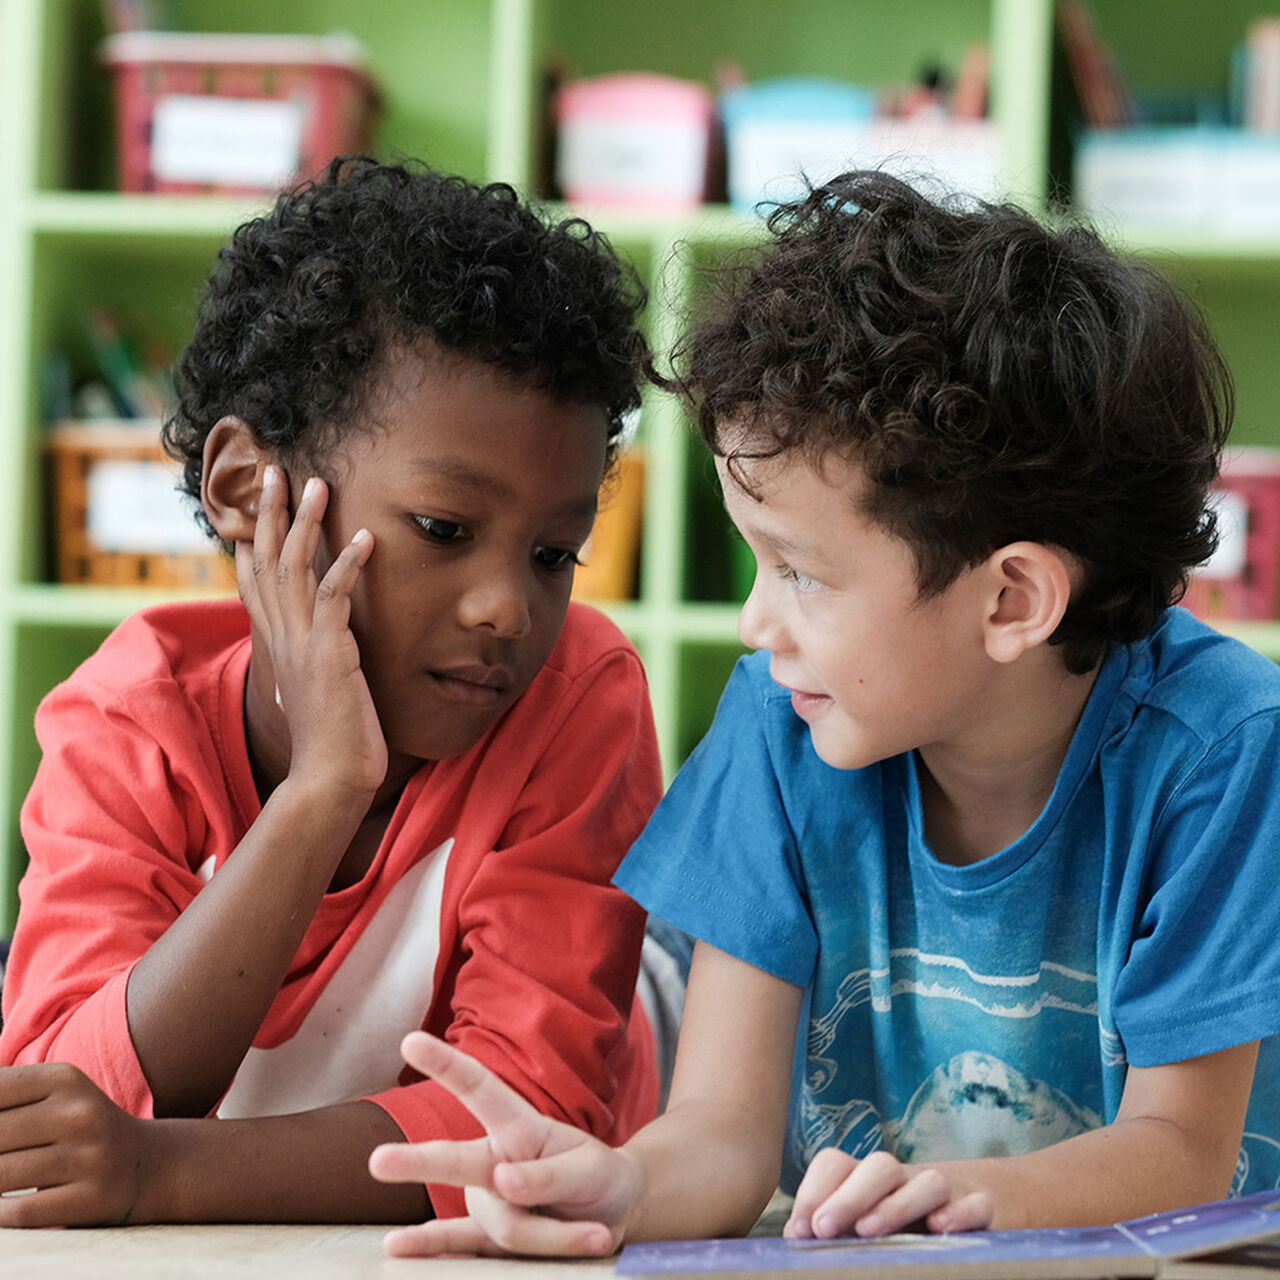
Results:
[757, 628]
[498, 599]
[752, 621]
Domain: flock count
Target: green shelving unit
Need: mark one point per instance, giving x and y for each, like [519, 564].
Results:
[463, 82]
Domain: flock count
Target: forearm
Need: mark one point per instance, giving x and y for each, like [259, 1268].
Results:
[309, 1167]
[197, 998]
[709, 1164]
[1123, 1170]
[705, 1170]
[1174, 1142]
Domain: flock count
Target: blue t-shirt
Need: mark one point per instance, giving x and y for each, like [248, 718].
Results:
[992, 1009]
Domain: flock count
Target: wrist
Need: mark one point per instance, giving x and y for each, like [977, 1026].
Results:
[321, 801]
[162, 1192]
[635, 1195]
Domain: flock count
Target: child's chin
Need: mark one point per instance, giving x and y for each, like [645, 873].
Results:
[449, 743]
[841, 753]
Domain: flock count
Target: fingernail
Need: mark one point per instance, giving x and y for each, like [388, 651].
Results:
[311, 488]
[821, 1225]
[871, 1225]
[270, 476]
[800, 1228]
[360, 535]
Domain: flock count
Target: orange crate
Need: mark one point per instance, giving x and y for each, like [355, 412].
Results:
[611, 557]
[119, 519]
[235, 114]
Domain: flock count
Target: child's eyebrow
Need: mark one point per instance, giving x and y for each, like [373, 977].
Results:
[462, 472]
[794, 550]
[782, 544]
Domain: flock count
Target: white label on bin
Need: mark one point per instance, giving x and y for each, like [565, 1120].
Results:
[226, 141]
[641, 158]
[1228, 560]
[135, 507]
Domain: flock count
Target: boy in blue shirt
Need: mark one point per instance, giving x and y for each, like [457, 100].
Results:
[984, 817]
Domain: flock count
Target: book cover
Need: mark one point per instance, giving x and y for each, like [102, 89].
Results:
[1139, 1247]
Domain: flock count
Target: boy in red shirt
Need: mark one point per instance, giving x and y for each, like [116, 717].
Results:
[385, 792]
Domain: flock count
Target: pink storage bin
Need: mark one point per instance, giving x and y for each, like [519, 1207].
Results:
[634, 140]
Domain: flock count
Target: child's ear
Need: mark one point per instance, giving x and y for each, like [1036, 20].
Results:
[232, 479]
[1030, 590]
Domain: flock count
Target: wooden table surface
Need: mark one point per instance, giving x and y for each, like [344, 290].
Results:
[236, 1252]
[272, 1252]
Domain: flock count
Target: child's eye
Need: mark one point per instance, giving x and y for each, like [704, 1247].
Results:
[556, 559]
[802, 581]
[442, 531]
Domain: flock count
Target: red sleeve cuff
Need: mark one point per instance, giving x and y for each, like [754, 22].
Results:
[424, 1112]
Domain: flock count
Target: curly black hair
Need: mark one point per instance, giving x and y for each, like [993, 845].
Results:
[996, 379]
[307, 300]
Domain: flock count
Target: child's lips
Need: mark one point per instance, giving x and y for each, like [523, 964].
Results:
[474, 685]
[802, 702]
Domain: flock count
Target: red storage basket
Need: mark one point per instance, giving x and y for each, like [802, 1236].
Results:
[1242, 580]
[235, 114]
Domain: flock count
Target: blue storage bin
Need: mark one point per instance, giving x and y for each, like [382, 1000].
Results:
[777, 130]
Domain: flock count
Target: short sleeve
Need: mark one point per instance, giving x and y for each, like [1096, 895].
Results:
[107, 826]
[718, 858]
[1203, 971]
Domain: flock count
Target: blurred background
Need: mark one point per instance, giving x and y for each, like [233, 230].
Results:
[136, 136]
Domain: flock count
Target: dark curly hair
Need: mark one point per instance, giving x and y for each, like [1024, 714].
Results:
[307, 300]
[997, 380]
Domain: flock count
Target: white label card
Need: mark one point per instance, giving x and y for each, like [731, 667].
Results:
[135, 506]
[1229, 559]
[226, 141]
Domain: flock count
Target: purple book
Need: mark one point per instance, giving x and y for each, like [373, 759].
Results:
[1139, 1247]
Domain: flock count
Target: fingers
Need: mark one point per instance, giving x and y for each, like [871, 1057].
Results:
[71, 1204]
[443, 1236]
[284, 552]
[50, 1207]
[333, 596]
[455, 1164]
[517, 1230]
[828, 1169]
[580, 1175]
[31, 1167]
[849, 1208]
[973, 1212]
[43, 1103]
[305, 623]
[919, 1194]
[255, 565]
[33, 1082]
[280, 570]
[496, 1106]
[878, 1196]
[295, 559]
[505, 1231]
